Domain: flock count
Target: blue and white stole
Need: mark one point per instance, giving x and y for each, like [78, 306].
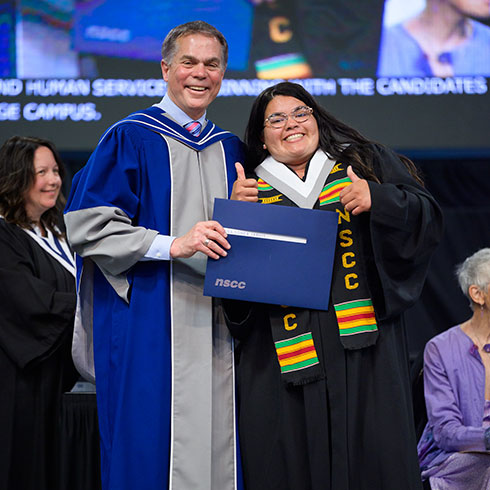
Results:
[55, 247]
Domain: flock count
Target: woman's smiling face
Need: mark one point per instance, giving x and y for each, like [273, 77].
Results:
[296, 142]
[43, 193]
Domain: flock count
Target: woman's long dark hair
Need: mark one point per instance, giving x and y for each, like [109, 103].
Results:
[333, 134]
[17, 177]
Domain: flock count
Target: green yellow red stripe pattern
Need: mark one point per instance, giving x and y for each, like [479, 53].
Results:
[296, 353]
[331, 191]
[286, 66]
[356, 317]
[263, 186]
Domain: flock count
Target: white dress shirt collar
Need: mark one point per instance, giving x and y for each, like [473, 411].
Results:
[176, 113]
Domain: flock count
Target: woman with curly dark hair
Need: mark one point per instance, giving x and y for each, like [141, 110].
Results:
[324, 396]
[37, 308]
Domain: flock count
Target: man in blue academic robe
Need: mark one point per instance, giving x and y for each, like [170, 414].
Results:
[139, 219]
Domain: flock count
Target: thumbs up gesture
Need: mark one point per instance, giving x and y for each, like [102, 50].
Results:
[244, 189]
[356, 198]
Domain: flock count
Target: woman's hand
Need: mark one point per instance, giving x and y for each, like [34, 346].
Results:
[244, 189]
[356, 198]
[208, 237]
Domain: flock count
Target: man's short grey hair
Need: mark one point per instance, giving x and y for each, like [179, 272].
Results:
[475, 270]
[169, 46]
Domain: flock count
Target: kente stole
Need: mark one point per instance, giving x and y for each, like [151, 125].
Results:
[294, 331]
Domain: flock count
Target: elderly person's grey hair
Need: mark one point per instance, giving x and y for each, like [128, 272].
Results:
[169, 46]
[475, 270]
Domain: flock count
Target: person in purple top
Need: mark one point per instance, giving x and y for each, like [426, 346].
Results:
[442, 40]
[454, 449]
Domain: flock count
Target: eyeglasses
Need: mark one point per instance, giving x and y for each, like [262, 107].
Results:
[279, 119]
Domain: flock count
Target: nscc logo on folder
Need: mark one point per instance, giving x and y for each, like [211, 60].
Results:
[279, 255]
[227, 283]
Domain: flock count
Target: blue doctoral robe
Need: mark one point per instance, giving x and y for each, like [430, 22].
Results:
[119, 202]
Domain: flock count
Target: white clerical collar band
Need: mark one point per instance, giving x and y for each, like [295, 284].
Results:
[303, 193]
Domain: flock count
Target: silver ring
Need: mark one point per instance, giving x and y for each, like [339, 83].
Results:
[206, 242]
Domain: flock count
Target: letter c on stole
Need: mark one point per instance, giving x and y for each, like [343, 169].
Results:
[287, 326]
[346, 264]
[348, 283]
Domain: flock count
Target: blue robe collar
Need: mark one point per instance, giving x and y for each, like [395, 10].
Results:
[155, 119]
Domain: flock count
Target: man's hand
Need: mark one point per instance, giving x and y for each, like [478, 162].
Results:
[356, 198]
[208, 237]
[244, 189]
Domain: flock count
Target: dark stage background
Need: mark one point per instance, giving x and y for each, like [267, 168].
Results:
[462, 188]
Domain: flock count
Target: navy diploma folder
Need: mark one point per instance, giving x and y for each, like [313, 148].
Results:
[279, 255]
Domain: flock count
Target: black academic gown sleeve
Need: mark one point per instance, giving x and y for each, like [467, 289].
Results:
[37, 300]
[239, 316]
[405, 226]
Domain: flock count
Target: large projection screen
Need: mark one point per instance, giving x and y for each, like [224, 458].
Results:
[69, 69]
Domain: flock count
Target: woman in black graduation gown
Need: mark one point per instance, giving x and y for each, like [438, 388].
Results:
[324, 396]
[37, 307]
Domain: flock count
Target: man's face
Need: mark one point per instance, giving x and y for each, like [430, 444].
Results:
[195, 74]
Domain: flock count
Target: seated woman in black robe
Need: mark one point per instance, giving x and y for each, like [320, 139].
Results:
[37, 308]
[336, 416]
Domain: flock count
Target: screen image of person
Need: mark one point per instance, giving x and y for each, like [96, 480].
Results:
[138, 216]
[293, 39]
[321, 392]
[454, 449]
[37, 305]
[444, 40]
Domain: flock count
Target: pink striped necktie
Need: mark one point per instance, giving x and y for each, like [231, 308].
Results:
[194, 127]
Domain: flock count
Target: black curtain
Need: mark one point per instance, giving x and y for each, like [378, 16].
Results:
[462, 188]
[79, 442]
